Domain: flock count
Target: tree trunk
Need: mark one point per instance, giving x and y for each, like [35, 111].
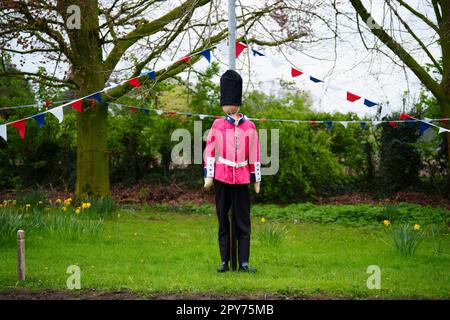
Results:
[92, 125]
[445, 44]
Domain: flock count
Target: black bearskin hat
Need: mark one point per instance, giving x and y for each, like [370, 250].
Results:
[231, 89]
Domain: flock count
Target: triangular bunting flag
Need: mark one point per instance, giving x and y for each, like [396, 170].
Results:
[21, 127]
[58, 113]
[159, 112]
[369, 103]
[77, 105]
[344, 123]
[376, 122]
[239, 48]
[427, 119]
[404, 116]
[223, 47]
[185, 59]
[97, 96]
[314, 79]
[40, 119]
[441, 130]
[295, 72]
[132, 109]
[423, 127]
[3, 132]
[207, 54]
[152, 75]
[393, 124]
[362, 124]
[313, 123]
[257, 53]
[146, 111]
[329, 124]
[202, 116]
[352, 97]
[134, 82]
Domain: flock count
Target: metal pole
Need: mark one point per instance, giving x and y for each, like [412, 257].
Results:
[232, 66]
[232, 34]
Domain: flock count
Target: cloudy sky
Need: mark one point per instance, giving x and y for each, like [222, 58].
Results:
[345, 64]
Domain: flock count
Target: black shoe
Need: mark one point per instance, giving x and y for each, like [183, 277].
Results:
[223, 268]
[246, 268]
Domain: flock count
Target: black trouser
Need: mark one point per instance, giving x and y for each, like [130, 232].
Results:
[237, 198]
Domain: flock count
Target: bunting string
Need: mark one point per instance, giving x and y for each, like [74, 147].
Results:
[58, 113]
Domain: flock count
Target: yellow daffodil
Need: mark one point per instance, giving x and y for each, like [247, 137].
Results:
[64, 209]
[86, 205]
[58, 201]
[77, 210]
[386, 222]
[417, 226]
[40, 202]
[27, 206]
[263, 220]
[68, 202]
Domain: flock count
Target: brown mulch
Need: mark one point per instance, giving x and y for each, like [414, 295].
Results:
[93, 294]
[409, 196]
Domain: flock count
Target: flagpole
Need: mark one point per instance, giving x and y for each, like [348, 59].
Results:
[232, 34]
[232, 66]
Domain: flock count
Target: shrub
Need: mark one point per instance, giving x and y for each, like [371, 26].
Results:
[404, 237]
[272, 234]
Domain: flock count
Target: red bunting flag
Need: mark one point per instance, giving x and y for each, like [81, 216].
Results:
[132, 109]
[48, 104]
[239, 48]
[404, 116]
[352, 97]
[171, 113]
[313, 123]
[77, 105]
[393, 124]
[295, 72]
[217, 117]
[134, 82]
[185, 59]
[21, 127]
[263, 120]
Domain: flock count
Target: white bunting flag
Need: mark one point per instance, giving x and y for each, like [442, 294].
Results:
[223, 47]
[344, 123]
[3, 132]
[159, 112]
[441, 130]
[427, 119]
[376, 122]
[202, 116]
[334, 88]
[58, 113]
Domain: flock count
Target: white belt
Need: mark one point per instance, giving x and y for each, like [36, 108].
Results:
[232, 163]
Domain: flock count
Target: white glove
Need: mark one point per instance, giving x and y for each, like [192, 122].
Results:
[208, 183]
[257, 186]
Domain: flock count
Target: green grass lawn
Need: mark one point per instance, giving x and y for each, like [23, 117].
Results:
[166, 252]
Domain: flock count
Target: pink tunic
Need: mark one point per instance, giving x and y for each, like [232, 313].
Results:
[232, 153]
